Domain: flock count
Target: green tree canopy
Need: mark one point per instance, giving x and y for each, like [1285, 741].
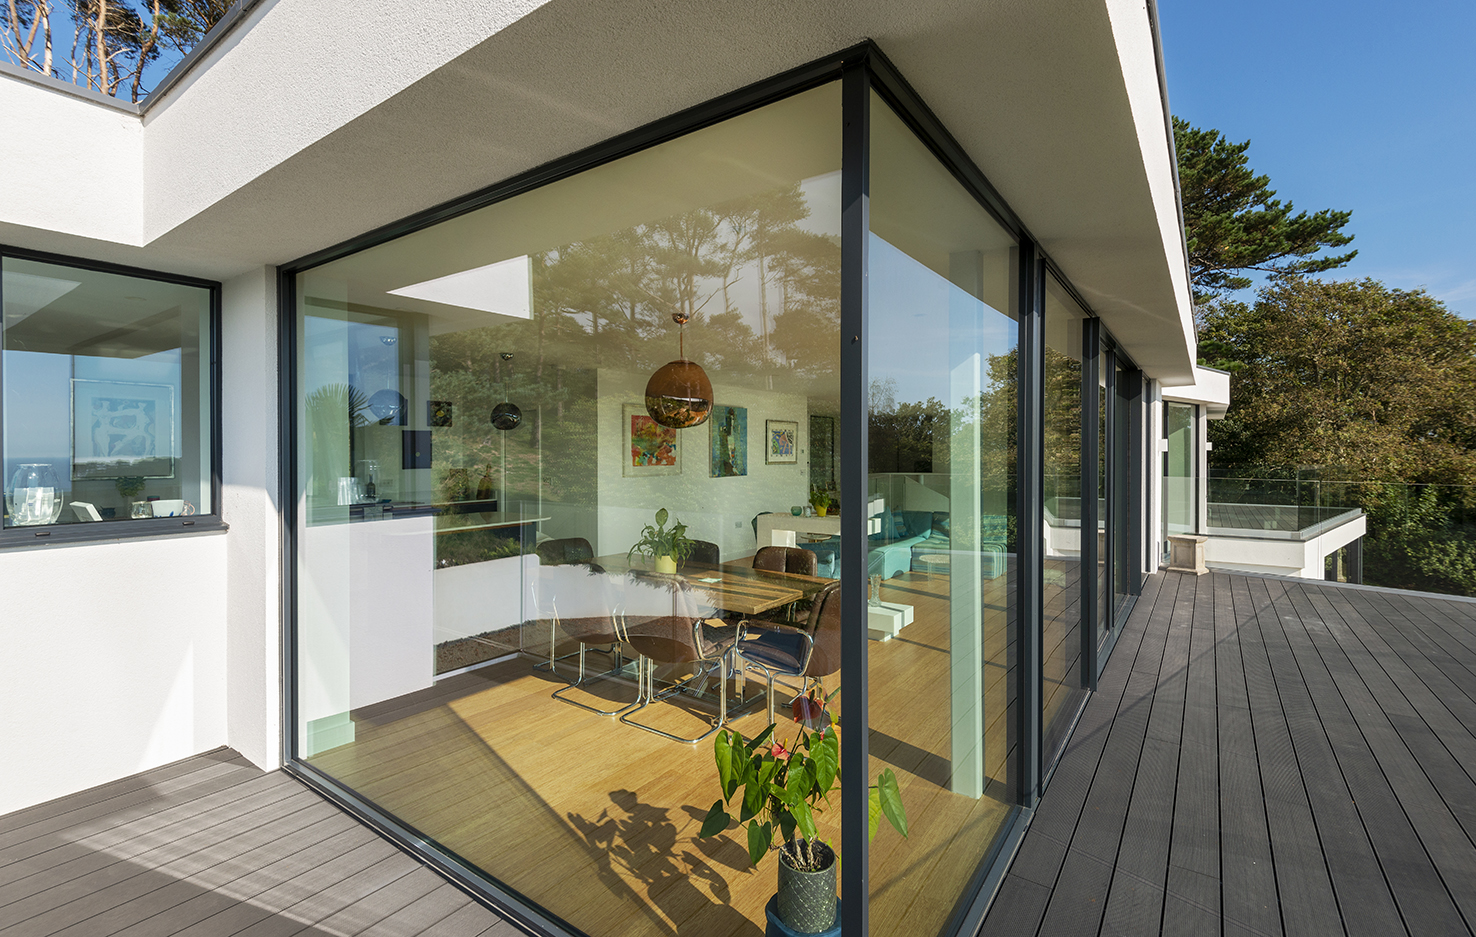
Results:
[1378, 382]
[1233, 221]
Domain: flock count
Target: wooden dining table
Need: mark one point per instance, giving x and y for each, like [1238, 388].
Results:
[733, 586]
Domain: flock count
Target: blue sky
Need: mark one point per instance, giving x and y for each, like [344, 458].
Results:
[1348, 105]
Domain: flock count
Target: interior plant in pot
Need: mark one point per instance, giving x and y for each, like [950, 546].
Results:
[820, 501]
[783, 786]
[666, 546]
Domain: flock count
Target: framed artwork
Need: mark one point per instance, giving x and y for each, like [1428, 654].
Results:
[781, 442]
[728, 442]
[120, 428]
[438, 413]
[650, 448]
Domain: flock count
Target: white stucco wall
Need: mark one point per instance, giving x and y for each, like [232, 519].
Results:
[249, 504]
[69, 165]
[719, 510]
[114, 661]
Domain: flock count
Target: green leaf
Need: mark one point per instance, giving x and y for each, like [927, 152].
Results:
[873, 813]
[827, 762]
[722, 749]
[891, 802]
[804, 819]
[716, 821]
[661, 517]
[786, 824]
[760, 836]
[762, 738]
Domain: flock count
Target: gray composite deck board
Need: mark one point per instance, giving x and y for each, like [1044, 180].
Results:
[1264, 757]
[211, 847]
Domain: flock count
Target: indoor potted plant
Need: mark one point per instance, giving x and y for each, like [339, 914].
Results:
[783, 787]
[666, 547]
[820, 501]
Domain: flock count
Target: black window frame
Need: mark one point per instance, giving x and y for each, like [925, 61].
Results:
[141, 528]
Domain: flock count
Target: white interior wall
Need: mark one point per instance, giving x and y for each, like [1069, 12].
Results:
[717, 509]
[249, 504]
[114, 662]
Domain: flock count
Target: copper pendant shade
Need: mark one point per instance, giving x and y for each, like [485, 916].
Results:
[679, 395]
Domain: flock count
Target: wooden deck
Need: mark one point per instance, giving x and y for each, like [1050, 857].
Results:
[1264, 756]
[209, 847]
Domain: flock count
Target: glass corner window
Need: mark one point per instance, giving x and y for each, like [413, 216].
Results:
[105, 396]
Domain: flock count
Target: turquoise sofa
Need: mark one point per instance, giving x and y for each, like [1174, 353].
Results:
[908, 536]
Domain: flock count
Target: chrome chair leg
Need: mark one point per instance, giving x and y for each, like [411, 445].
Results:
[582, 680]
[652, 696]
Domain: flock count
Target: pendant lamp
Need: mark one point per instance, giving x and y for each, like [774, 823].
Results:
[679, 395]
[506, 415]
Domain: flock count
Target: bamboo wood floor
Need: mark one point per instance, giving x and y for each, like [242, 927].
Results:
[596, 821]
[1264, 757]
[210, 847]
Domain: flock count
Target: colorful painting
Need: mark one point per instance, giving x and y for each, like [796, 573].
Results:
[122, 428]
[783, 442]
[729, 441]
[650, 448]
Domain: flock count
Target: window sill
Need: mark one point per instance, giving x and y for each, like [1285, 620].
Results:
[144, 529]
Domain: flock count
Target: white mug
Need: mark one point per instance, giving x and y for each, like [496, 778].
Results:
[171, 507]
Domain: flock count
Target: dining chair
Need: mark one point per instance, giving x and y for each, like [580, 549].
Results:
[664, 622]
[785, 560]
[563, 551]
[582, 603]
[706, 553]
[811, 653]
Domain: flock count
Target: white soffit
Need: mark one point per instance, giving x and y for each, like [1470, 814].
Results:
[1056, 100]
[504, 288]
[27, 293]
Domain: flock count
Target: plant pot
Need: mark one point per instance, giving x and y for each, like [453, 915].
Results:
[820, 511]
[666, 564]
[807, 899]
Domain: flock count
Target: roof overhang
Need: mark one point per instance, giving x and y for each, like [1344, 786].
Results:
[302, 129]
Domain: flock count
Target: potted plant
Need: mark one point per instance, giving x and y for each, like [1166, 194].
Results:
[820, 501]
[666, 547]
[783, 788]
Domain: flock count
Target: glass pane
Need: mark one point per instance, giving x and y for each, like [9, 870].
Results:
[106, 396]
[1122, 554]
[477, 470]
[1104, 472]
[1178, 471]
[1061, 686]
[942, 363]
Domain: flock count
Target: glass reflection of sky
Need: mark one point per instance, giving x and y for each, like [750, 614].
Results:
[38, 400]
[922, 326]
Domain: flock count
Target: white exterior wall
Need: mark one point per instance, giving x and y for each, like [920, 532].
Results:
[249, 504]
[258, 98]
[114, 661]
[69, 165]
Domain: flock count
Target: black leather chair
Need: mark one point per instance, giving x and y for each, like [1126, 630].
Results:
[812, 652]
[665, 622]
[565, 551]
[785, 560]
[706, 553]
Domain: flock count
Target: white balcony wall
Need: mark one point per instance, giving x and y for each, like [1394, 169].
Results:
[114, 661]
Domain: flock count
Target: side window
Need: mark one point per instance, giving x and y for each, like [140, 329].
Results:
[105, 399]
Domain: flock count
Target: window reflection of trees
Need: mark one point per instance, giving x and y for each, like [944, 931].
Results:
[763, 292]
